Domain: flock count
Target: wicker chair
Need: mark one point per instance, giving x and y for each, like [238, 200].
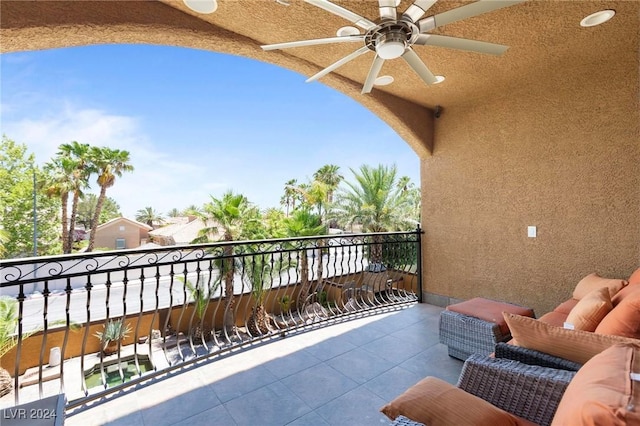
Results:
[533, 357]
[529, 391]
[532, 392]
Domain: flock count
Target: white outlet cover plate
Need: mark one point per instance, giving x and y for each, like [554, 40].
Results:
[532, 231]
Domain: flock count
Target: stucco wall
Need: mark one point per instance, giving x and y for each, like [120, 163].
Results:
[565, 159]
[107, 235]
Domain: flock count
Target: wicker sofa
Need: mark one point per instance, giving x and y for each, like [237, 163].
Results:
[511, 381]
[601, 312]
[501, 391]
[594, 336]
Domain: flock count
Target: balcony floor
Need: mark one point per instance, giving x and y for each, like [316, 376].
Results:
[336, 375]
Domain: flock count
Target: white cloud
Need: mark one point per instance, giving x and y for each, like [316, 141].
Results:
[158, 180]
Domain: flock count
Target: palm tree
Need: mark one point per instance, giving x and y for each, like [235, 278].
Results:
[70, 170]
[404, 183]
[201, 292]
[328, 174]
[79, 154]
[303, 223]
[315, 195]
[192, 210]
[149, 216]
[58, 187]
[289, 197]
[375, 201]
[109, 163]
[233, 215]
[8, 324]
[260, 270]
[174, 212]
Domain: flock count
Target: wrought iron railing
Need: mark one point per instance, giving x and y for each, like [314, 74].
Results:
[177, 305]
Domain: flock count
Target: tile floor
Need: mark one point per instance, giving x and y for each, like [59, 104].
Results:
[337, 375]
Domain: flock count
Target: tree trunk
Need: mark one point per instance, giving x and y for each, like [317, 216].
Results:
[65, 230]
[304, 281]
[72, 221]
[320, 266]
[6, 382]
[96, 216]
[376, 249]
[229, 314]
[259, 321]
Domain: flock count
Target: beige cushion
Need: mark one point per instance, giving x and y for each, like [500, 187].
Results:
[575, 345]
[590, 310]
[602, 392]
[594, 281]
[435, 402]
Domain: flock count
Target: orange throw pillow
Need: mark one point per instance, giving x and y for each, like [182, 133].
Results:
[594, 281]
[590, 310]
[624, 319]
[627, 291]
[635, 277]
[566, 306]
[575, 345]
[603, 391]
[435, 402]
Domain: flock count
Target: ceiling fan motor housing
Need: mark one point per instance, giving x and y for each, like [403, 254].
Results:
[390, 39]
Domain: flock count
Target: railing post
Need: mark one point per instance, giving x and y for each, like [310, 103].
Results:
[419, 260]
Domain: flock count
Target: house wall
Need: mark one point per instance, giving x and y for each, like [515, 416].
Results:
[563, 158]
[106, 236]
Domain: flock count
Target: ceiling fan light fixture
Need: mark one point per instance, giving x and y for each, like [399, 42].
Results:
[347, 31]
[597, 18]
[391, 49]
[439, 79]
[202, 6]
[391, 45]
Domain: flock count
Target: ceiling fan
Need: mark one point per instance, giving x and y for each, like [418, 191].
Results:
[393, 35]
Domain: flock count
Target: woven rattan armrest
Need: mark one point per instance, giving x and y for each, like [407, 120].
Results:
[404, 421]
[531, 392]
[533, 357]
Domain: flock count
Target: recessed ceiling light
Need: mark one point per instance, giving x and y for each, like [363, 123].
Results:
[347, 31]
[383, 80]
[597, 18]
[439, 79]
[202, 6]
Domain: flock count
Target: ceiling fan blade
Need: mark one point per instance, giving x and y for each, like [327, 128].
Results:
[387, 9]
[338, 64]
[313, 42]
[418, 66]
[342, 12]
[473, 9]
[376, 66]
[418, 9]
[461, 44]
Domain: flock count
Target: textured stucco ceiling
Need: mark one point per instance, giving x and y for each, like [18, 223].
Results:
[545, 38]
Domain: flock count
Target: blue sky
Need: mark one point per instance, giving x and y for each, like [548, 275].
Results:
[196, 123]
